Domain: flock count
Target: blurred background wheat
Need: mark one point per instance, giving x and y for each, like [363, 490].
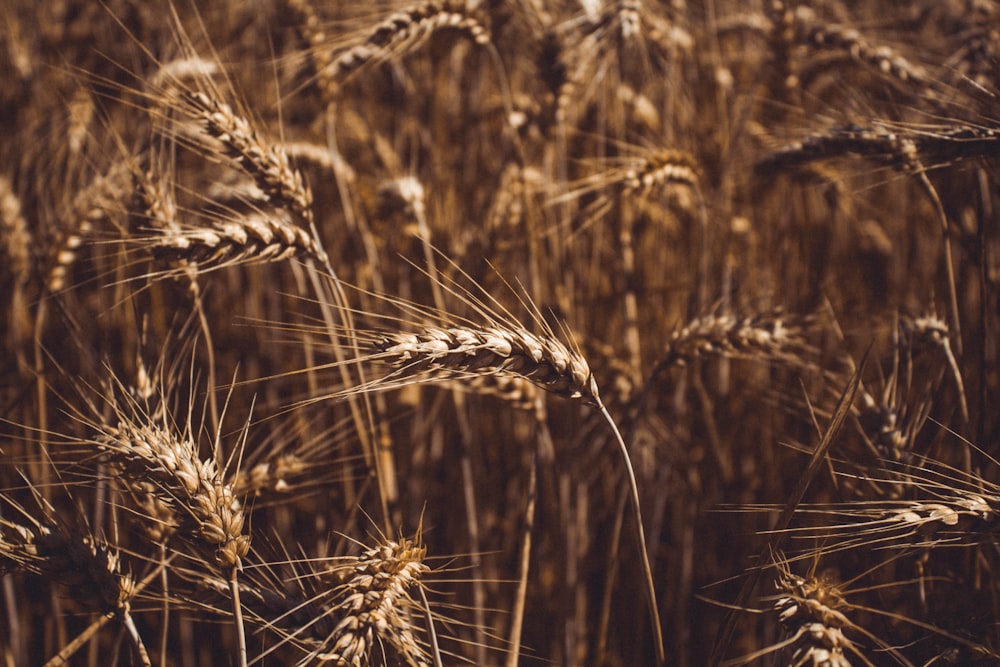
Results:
[321, 320]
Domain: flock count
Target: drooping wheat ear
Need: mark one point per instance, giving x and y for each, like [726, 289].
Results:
[206, 507]
[545, 361]
[951, 516]
[267, 164]
[259, 234]
[108, 194]
[876, 144]
[769, 335]
[810, 31]
[374, 603]
[405, 31]
[255, 236]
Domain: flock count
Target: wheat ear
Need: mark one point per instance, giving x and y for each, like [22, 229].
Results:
[267, 164]
[373, 600]
[407, 29]
[204, 504]
[75, 559]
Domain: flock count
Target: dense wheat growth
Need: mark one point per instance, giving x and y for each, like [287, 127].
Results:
[649, 332]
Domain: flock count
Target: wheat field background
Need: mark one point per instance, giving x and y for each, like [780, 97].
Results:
[511, 332]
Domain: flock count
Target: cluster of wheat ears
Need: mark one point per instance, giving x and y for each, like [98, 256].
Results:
[499, 332]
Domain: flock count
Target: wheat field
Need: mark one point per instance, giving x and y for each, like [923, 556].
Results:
[524, 332]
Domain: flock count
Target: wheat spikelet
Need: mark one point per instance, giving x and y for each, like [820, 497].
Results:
[661, 168]
[273, 476]
[74, 558]
[808, 30]
[256, 236]
[260, 233]
[872, 143]
[15, 249]
[105, 196]
[15, 238]
[808, 610]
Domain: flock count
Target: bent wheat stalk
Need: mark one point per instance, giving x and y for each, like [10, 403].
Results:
[543, 360]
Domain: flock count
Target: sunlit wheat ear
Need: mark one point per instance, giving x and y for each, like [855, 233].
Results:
[250, 230]
[266, 163]
[544, 361]
[208, 510]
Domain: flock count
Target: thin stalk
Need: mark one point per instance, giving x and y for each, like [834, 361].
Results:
[431, 632]
[241, 638]
[62, 658]
[640, 533]
[524, 564]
